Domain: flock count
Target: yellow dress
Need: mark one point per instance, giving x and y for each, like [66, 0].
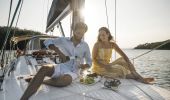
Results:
[118, 70]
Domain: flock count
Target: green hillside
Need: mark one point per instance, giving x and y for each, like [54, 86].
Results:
[15, 32]
[155, 44]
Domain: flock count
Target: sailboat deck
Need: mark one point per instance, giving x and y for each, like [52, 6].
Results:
[14, 85]
[128, 90]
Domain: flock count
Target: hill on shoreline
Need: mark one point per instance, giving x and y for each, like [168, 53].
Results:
[15, 32]
[153, 45]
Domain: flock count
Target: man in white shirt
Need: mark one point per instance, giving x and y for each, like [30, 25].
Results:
[63, 74]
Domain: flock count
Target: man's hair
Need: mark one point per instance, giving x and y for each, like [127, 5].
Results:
[80, 25]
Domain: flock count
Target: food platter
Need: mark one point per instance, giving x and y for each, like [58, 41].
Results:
[89, 80]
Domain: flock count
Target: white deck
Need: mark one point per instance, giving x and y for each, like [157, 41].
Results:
[13, 88]
[128, 90]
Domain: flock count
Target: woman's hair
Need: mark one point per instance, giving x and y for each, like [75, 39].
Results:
[107, 31]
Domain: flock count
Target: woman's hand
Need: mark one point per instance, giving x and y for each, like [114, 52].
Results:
[104, 65]
[84, 66]
[108, 67]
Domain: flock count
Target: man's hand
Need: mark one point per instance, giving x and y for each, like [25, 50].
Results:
[62, 57]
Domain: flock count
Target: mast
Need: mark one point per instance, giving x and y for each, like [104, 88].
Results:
[77, 6]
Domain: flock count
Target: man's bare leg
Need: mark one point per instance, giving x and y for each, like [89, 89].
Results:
[45, 70]
[60, 81]
[57, 82]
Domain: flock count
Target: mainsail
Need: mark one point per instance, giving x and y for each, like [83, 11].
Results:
[61, 8]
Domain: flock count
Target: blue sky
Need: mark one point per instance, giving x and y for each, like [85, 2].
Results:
[138, 21]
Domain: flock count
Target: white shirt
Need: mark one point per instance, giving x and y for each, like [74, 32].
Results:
[81, 51]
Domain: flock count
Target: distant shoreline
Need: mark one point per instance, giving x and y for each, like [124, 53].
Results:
[163, 45]
[17, 32]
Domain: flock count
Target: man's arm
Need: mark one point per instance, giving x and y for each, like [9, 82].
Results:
[62, 57]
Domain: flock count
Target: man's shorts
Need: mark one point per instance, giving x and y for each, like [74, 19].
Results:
[60, 70]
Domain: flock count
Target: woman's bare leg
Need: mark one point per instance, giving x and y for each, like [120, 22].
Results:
[141, 79]
[46, 70]
[134, 74]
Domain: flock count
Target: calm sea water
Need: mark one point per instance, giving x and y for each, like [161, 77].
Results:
[154, 64]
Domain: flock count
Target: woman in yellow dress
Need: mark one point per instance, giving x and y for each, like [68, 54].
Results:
[102, 54]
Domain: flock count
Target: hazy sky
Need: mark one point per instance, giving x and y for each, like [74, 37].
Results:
[138, 21]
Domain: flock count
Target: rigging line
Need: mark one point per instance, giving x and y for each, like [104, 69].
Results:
[11, 48]
[151, 49]
[9, 12]
[18, 16]
[71, 25]
[115, 28]
[61, 29]
[47, 15]
[43, 14]
[8, 31]
[47, 7]
[107, 17]
[107, 14]
[115, 22]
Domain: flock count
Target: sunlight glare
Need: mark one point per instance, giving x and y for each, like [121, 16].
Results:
[88, 13]
[84, 13]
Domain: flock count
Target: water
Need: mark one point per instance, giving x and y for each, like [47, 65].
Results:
[154, 64]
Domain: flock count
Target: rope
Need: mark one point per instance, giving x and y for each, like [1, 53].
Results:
[9, 29]
[151, 50]
[115, 22]
[107, 17]
[61, 29]
[47, 7]
[7, 35]
[115, 28]
[2, 52]
[43, 14]
[9, 12]
[107, 14]
[12, 48]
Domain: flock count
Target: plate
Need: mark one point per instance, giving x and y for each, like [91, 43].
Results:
[96, 79]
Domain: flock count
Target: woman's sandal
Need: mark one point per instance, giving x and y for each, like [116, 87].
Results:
[112, 84]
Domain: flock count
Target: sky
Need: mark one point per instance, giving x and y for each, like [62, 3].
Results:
[137, 21]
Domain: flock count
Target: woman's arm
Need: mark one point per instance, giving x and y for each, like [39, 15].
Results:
[117, 49]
